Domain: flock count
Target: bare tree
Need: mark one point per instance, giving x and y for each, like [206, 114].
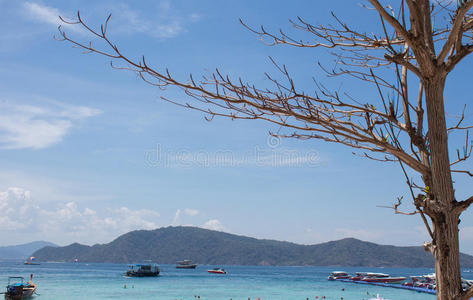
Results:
[424, 38]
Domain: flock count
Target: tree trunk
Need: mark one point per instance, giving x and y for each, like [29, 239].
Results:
[446, 254]
[445, 222]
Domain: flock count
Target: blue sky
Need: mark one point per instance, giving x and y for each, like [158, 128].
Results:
[88, 152]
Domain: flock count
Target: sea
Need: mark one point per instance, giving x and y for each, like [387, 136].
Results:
[71, 281]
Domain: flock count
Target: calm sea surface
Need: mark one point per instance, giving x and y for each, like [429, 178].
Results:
[106, 281]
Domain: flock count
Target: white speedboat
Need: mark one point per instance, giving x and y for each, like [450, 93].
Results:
[338, 275]
[382, 278]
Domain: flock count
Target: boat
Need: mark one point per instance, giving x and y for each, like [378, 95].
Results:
[186, 264]
[422, 281]
[338, 275]
[385, 280]
[217, 271]
[17, 289]
[358, 276]
[31, 261]
[382, 278]
[142, 270]
[466, 284]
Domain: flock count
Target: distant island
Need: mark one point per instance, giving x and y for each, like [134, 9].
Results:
[22, 251]
[170, 244]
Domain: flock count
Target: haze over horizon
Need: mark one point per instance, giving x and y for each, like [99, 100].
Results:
[88, 153]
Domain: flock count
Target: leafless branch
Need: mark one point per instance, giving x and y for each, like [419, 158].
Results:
[395, 207]
[463, 171]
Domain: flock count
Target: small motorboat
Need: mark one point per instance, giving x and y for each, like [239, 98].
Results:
[143, 270]
[359, 275]
[18, 290]
[422, 281]
[217, 271]
[382, 278]
[31, 261]
[186, 264]
[338, 275]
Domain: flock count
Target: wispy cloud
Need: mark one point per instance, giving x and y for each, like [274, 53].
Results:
[176, 219]
[164, 23]
[47, 14]
[38, 126]
[161, 22]
[187, 212]
[42, 13]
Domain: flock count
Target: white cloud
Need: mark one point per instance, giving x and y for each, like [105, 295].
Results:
[187, 212]
[15, 208]
[22, 215]
[160, 22]
[176, 219]
[194, 17]
[42, 13]
[47, 14]
[191, 212]
[164, 23]
[31, 126]
[213, 224]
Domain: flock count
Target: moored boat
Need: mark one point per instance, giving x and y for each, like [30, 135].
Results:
[31, 261]
[142, 270]
[382, 278]
[466, 284]
[186, 264]
[18, 290]
[217, 271]
[422, 281]
[338, 275]
[358, 276]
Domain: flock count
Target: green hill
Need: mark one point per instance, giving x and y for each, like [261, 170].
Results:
[171, 244]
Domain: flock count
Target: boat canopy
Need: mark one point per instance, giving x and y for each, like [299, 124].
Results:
[376, 274]
[15, 279]
[339, 273]
[185, 261]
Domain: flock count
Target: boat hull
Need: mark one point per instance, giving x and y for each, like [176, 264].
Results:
[141, 274]
[216, 272]
[393, 280]
[20, 293]
[186, 266]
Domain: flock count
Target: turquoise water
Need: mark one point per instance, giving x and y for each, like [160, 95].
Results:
[106, 281]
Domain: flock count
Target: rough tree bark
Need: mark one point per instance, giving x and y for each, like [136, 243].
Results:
[441, 195]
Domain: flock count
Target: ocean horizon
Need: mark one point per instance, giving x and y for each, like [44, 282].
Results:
[107, 281]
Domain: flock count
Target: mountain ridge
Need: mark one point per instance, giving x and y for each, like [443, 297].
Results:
[170, 244]
[22, 251]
